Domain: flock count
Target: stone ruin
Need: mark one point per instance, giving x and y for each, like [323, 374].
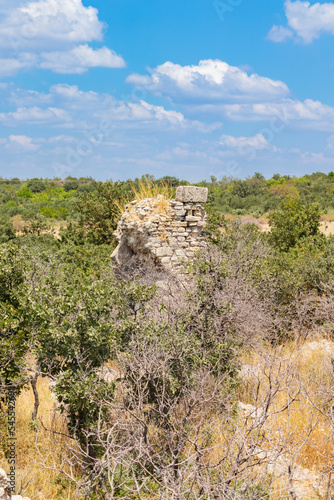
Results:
[165, 231]
[5, 489]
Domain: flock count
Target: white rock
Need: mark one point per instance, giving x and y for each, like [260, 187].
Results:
[5, 492]
[193, 194]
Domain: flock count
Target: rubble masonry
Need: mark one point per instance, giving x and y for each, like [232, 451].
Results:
[168, 231]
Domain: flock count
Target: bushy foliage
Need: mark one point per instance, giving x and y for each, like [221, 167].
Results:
[36, 185]
[294, 222]
[6, 230]
[100, 211]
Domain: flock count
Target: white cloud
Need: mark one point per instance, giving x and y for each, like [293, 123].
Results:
[73, 94]
[79, 59]
[52, 22]
[306, 21]
[37, 116]
[52, 34]
[308, 114]
[23, 142]
[209, 81]
[67, 106]
[279, 34]
[330, 144]
[11, 66]
[215, 89]
[257, 142]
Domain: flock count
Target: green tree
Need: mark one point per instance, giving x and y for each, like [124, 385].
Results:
[7, 231]
[71, 185]
[292, 222]
[84, 317]
[25, 192]
[16, 319]
[100, 211]
[36, 185]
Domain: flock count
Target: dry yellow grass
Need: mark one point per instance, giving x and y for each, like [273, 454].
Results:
[304, 425]
[32, 479]
[148, 189]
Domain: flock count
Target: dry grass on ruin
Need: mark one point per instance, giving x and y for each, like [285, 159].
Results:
[146, 189]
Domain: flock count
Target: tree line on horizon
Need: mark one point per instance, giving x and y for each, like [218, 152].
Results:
[39, 204]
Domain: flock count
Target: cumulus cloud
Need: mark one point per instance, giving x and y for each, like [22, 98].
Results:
[307, 22]
[257, 142]
[279, 34]
[11, 66]
[54, 35]
[79, 59]
[209, 81]
[36, 116]
[214, 89]
[23, 142]
[68, 106]
[306, 114]
[51, 22]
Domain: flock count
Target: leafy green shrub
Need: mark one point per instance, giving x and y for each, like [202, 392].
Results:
[11, 203]
[36, 185]
[292, 222]
[100, 211]
[6, 230]
[71, 185]
[24, 192]
[54, 212]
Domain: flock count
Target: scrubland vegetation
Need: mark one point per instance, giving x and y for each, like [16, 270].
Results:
[216, 384]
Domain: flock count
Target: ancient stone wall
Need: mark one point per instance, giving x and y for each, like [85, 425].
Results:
[167, 231]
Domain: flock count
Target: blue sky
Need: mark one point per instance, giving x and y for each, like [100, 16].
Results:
[119, 88]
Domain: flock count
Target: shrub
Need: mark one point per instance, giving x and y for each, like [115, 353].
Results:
[11, 204]
[54, 212]
[6, 230]
[25, 192]
[292, 222]
[71, 185]
[36, 185]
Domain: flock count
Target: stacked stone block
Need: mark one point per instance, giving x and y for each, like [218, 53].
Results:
[168, 231]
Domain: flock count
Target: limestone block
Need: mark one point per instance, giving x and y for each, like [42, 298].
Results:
[163, 251]
[194, 194]
[165, 260]
[180, 224]
[191, 218]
